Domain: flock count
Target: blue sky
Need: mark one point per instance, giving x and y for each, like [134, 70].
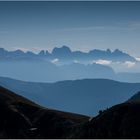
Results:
[79, 25]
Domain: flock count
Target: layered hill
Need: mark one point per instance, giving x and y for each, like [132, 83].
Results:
[44, 71]
[80, 96]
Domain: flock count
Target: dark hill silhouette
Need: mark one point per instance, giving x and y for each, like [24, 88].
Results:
[21, 118]
[79, 96]
[135, 97]
[120, 121]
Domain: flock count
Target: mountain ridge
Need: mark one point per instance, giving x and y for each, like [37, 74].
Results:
[65, 52]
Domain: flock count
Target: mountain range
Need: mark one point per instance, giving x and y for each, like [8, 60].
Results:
[86, 96]
[65, 54]
[64, 64]
[44, 71]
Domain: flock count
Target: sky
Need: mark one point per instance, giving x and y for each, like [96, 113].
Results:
[80, 25]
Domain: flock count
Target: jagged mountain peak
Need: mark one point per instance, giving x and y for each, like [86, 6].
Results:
[61, 50]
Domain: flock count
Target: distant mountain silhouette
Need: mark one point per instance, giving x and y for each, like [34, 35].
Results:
[79, 96]
[63, 64]
[128, 77]
[116, 55]
[21, 118]
[44, 71]
[65, 53]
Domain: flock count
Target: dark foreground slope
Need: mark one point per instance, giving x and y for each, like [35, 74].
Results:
[21, 118]
[120, 121]
[135, 97]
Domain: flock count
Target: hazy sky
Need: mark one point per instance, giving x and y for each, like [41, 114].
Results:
[79, 25]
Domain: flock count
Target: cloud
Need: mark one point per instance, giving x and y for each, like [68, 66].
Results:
[76, 61]
[127, 26]
[137, 58]
[54, 61]
[129, 64]
[84, 28]
[103, 62]
[133, 25]
[87, 28]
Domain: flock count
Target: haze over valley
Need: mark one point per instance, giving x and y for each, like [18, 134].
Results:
[69, 69]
